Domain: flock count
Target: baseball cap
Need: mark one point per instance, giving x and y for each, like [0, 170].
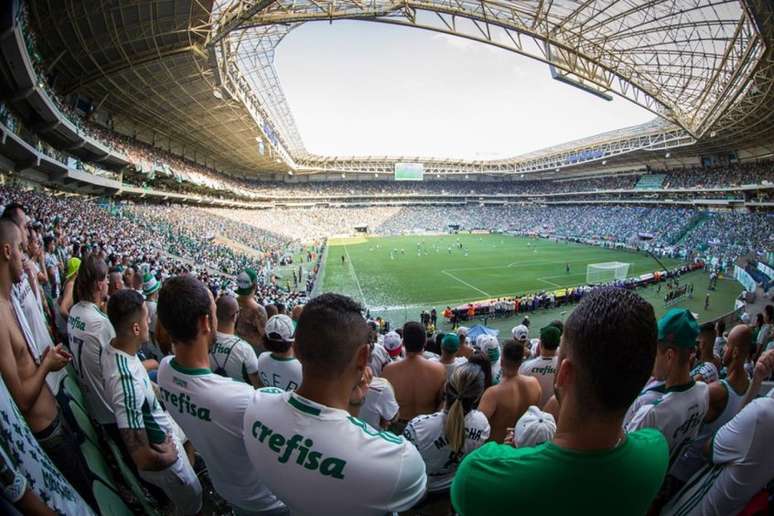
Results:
[462, 331]
[150, 285]
[450, 342]
[678, 327]
[745, 318]
[392, 343]
[550, 335]
[73, 264]
[491, 348]
[280, 327]
[246, 280]
[520, 332]
[533, 428]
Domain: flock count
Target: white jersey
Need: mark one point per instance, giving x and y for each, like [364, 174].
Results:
[429, 436]
[233, 357]
[210, 410]
[544, 369]
[90, 332]
[380, 403]
[654, 390]
[497, 372]
[282, 372]
[322, 461]
[379, 359]
[744, 464]
[678, 415]
[131, 396]
[458, 361]
[693, 458]
[25, 466]
[718, 348]
[707, 370]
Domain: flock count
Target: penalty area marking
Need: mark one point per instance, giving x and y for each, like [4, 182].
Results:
[551, 283]
[452, 276]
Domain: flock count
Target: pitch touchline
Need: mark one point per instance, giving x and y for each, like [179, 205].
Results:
[354, 275]
[452, 276]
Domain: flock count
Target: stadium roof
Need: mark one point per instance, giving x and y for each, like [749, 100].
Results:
[200, 74]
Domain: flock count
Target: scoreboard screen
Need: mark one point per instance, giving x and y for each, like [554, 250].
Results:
[409, 171]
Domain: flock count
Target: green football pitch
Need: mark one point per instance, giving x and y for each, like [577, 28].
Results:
[399, 276]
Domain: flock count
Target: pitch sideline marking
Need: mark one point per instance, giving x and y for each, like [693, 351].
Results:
[354, 275]
[452, 276]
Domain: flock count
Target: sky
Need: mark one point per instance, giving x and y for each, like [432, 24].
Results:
[360, 88]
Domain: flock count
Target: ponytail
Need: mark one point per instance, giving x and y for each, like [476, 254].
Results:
[463, 390]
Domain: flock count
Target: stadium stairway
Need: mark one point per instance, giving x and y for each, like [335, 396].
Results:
[692, 223]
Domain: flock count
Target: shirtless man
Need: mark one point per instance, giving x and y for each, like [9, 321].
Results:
[417, 381]
[251, 324]
[25, 379]
[503, 404]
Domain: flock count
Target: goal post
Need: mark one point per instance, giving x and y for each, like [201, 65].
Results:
[597, 273]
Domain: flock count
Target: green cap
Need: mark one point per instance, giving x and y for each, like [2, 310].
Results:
[678, 327]
[246, 280]
[450, 342]
[550, 336]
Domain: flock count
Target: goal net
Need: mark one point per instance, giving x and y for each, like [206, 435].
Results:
[608, 271]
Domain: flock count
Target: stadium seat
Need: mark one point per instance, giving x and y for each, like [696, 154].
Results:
[131, 480]
[85, 425]
[73, 390]
[97, 464]
[109, 502]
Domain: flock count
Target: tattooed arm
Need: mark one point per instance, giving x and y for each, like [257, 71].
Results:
[146, 456]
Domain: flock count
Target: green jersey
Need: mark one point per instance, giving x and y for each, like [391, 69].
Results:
[500, 479]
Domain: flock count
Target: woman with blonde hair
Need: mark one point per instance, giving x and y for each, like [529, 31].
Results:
[444, 438]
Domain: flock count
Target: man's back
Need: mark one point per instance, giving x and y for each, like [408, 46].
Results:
[90, 331]
[544, 369]
[210, 410]
[251, 322]
[417, 383]
[233, 357]
[500, 479]
[678, 415]
[320, 460]
[507, 401]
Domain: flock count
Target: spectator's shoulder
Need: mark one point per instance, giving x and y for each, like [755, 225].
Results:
[649, 440]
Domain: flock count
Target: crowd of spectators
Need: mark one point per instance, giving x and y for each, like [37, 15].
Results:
[366, 421]
[166, 241]
[719, 234]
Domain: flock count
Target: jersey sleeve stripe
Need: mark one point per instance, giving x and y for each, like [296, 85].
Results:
[130, 400]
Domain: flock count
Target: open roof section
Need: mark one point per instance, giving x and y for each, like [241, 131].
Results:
[704, 65]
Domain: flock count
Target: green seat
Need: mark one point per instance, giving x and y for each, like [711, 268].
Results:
[131, 481]
[96, 463]
[84, 423]
[108, 500]
[74, 391]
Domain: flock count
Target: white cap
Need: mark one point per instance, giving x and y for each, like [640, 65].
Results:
[462, 330]
[520, 332]
[280, 327]
[745, 318]
[487, 342]
[392, 343]
[533, 428]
